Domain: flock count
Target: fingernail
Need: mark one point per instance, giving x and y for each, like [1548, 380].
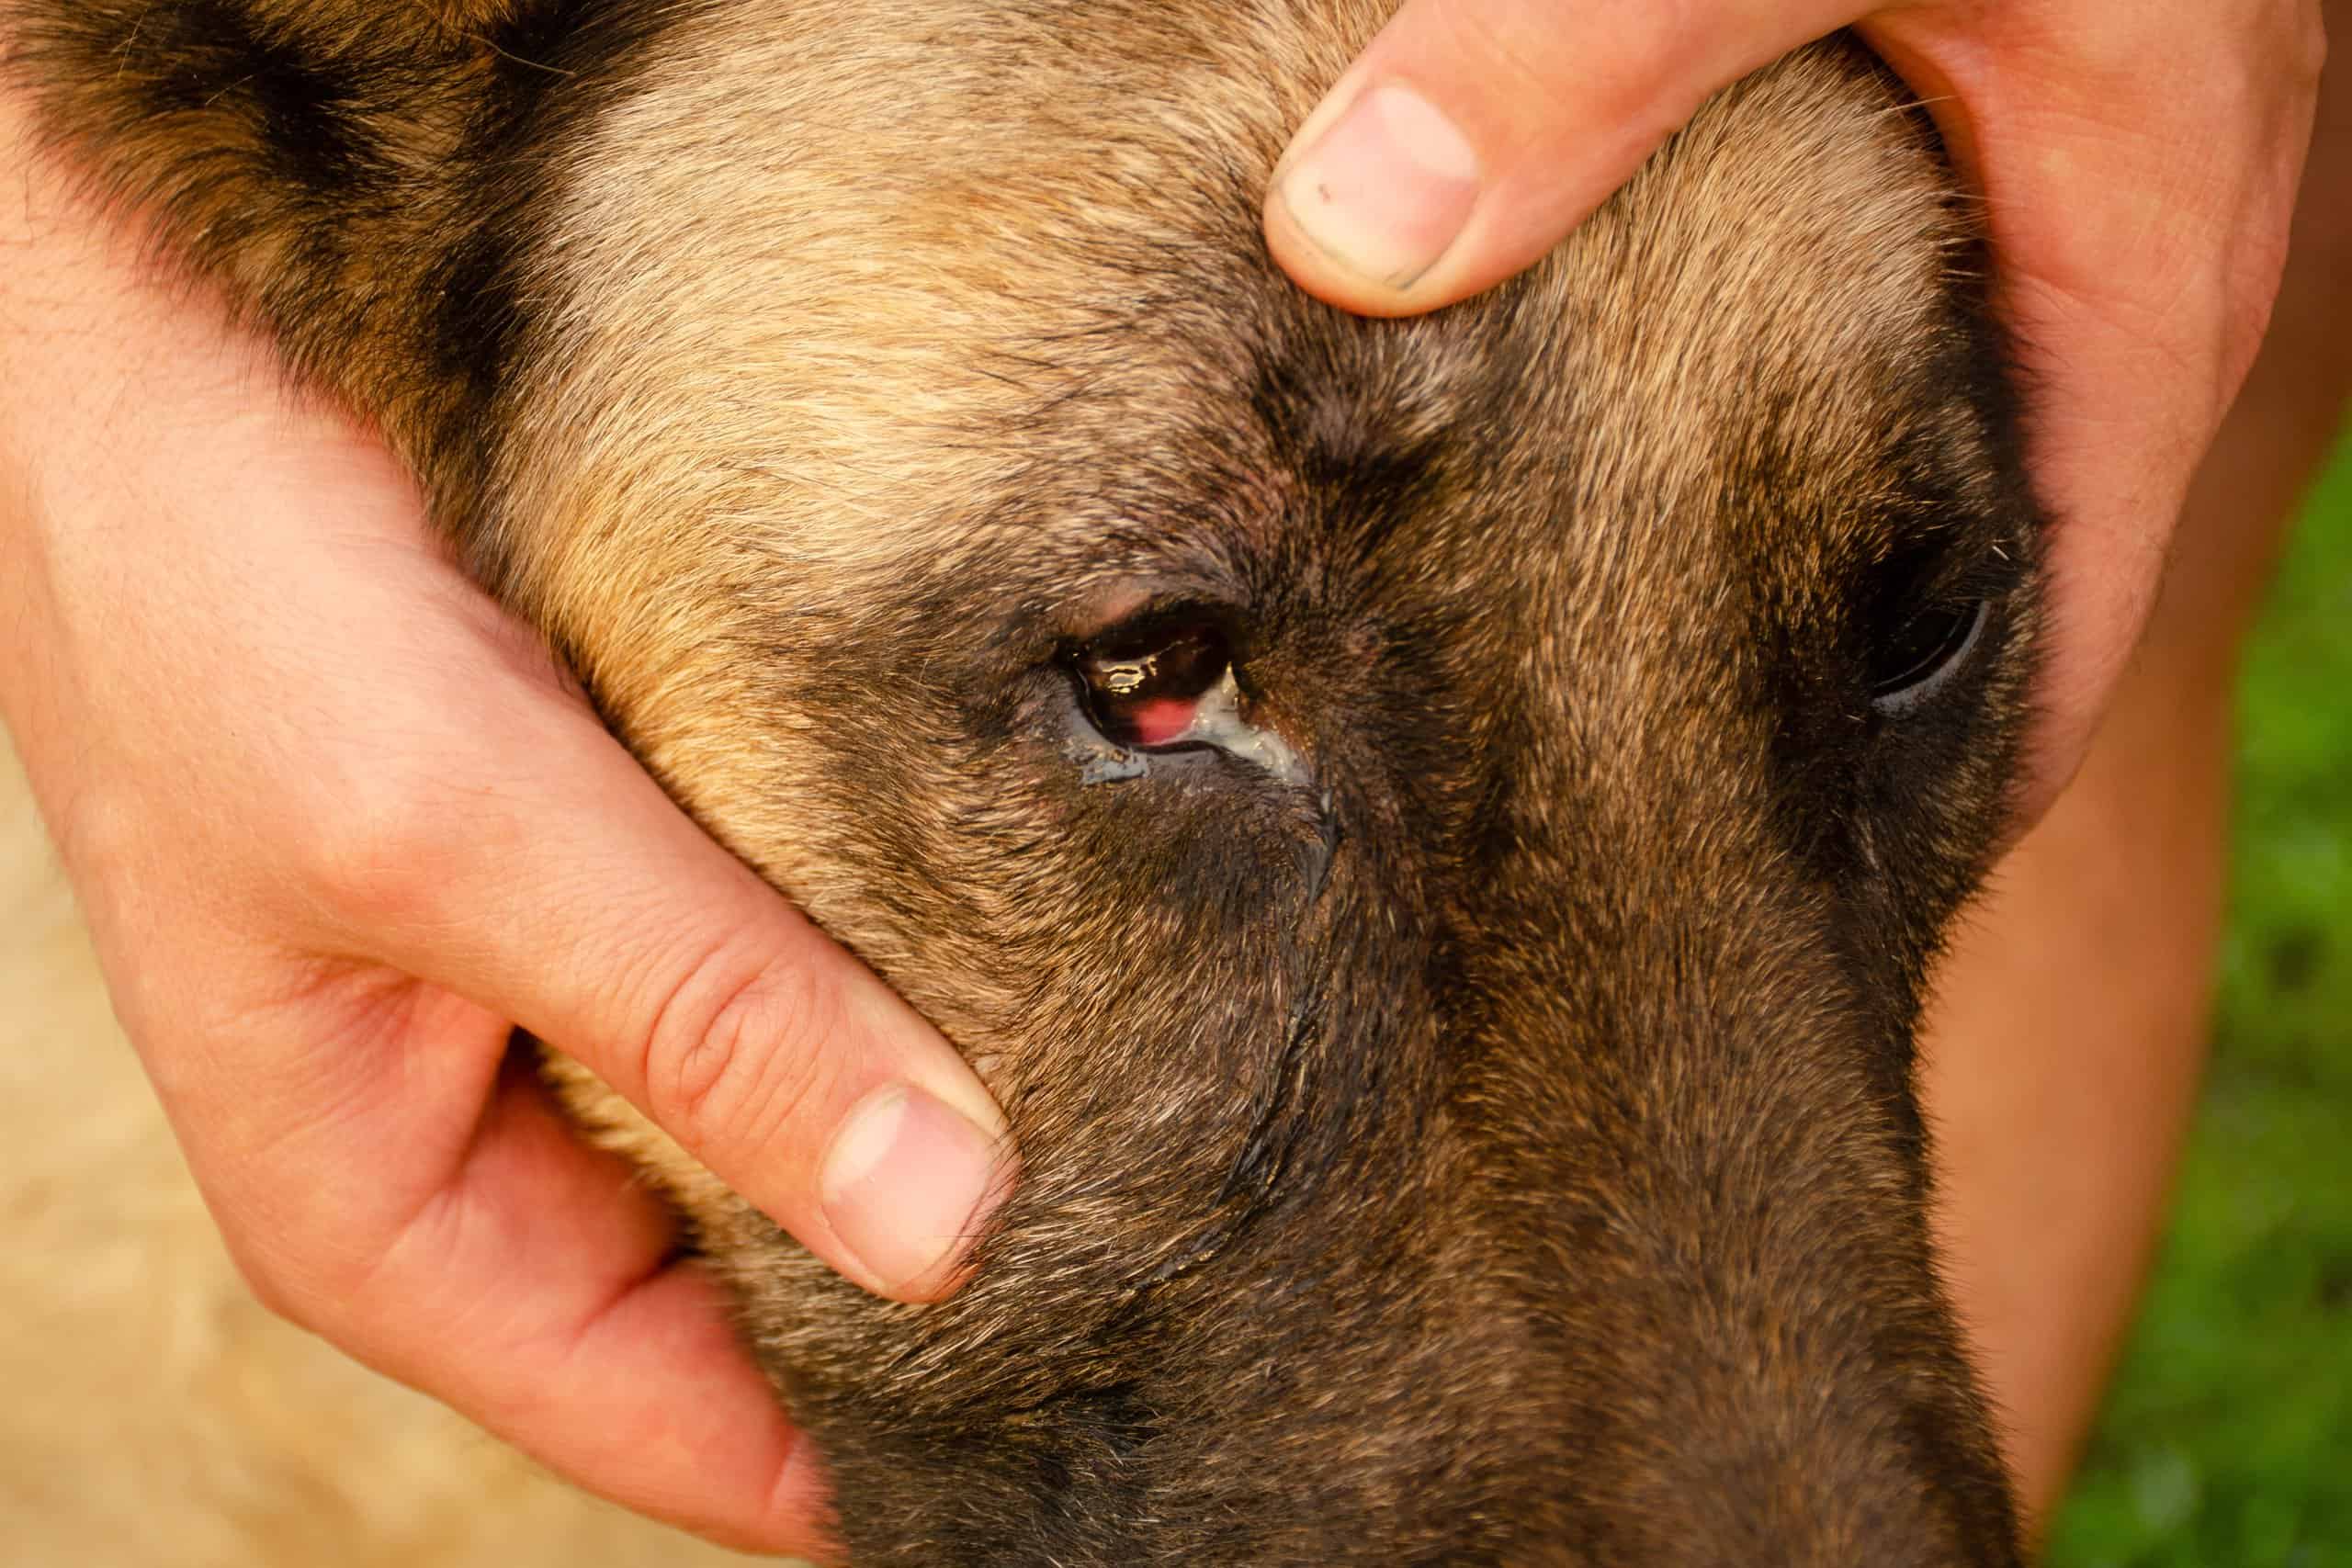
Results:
[907, 1183]
[1385, 191]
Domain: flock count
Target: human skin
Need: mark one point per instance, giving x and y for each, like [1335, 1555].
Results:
[2139, 164]
[2061, 1059]
[318, 932]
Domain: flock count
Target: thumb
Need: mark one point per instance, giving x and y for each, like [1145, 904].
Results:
[583, 905]
[1472, 135]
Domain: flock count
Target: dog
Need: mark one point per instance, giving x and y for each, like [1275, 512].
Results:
[1433, 830]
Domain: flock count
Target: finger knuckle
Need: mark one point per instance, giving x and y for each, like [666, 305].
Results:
[1654, 35]
[737, 1053]
[1490, 49]
[1538, 75]
[1647, 43]
[369, 850]
[104, 834]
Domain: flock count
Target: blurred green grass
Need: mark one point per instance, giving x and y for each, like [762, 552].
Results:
[2226, 1441]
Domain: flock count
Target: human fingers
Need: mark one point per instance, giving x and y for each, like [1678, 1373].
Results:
[377, 1175]
[225, 610]
[414, 1197]
[553, 882]
[1472, 135]
[376, 1178]
[284, 662]
[475, 827]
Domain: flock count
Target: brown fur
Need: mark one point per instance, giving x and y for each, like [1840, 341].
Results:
[1491, 1141]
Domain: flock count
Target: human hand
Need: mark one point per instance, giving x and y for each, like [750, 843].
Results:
[336, 820]
[2138, 157]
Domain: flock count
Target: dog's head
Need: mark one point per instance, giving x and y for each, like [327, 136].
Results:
[1433, 830]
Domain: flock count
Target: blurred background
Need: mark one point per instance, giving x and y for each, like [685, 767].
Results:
[2226, 1440]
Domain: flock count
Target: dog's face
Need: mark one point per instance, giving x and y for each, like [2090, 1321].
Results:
[1433, 830]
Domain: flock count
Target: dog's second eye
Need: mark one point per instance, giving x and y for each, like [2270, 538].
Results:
[1143, 684]
[1924, 655]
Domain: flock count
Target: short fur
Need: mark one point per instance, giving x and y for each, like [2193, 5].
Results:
[1492, 1143]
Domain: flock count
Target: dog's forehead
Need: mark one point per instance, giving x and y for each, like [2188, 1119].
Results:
[794, 324]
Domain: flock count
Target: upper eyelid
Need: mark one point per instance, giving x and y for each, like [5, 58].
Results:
[1941, 571]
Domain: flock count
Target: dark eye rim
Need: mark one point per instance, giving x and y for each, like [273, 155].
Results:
[1956, 629]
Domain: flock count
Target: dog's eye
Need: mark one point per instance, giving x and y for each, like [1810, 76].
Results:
[1930, 646]
[1143, 682]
